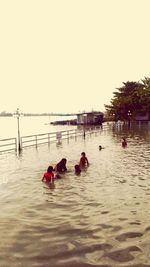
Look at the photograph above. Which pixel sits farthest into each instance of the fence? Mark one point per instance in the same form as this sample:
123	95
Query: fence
37	139
8	144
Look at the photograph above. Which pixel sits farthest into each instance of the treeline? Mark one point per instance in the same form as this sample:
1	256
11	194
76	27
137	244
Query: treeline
130	100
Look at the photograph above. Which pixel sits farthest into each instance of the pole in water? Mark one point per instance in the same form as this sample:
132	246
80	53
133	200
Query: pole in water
18	116
84	122
84	132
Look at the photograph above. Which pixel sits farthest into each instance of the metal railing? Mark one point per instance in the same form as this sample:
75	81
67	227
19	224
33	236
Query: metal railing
37	139
8	144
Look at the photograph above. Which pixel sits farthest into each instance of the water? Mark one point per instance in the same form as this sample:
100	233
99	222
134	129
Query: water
31	125
100	218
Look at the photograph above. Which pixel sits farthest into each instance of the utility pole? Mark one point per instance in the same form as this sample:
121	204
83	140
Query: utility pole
129	118
17	115
84	122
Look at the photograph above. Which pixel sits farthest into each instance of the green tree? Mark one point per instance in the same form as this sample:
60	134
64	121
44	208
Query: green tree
145	95
132	99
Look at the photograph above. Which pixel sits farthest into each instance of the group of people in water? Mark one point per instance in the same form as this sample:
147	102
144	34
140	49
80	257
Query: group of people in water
55	173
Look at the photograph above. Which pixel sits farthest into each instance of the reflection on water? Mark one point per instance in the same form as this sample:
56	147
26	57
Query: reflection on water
100	218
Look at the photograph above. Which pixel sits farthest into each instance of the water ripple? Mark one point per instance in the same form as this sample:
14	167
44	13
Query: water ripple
100	218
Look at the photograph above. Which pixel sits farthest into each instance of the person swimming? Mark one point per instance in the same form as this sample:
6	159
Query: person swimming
77	169
61	166
100	147
48	176
83	160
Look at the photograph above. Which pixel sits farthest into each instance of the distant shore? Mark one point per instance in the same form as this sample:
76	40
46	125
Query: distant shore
38	114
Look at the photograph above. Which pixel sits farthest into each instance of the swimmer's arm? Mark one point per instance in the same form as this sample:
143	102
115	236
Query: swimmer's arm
87	161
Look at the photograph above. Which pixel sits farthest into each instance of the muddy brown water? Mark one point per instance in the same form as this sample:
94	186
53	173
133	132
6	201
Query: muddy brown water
99	218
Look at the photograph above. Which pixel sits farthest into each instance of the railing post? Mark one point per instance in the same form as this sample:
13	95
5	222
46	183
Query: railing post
48	139
16	144
36	140
75	134
84	131
68	136
21	142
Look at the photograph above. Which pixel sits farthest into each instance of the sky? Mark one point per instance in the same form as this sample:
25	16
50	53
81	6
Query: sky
70	55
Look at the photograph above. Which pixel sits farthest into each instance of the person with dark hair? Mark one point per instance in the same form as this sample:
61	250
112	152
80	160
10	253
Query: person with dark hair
77	169
83	160
61	166
48	176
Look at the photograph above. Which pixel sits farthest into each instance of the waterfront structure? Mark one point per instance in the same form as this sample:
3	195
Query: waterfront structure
84	118
90	118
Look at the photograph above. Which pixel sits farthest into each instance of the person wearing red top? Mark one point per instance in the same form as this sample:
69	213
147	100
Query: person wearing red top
83	160
48	176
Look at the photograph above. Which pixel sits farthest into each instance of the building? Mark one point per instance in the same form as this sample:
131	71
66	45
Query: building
90	118
145	117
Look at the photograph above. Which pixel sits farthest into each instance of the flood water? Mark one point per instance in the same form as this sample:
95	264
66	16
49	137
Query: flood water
100	218
31	125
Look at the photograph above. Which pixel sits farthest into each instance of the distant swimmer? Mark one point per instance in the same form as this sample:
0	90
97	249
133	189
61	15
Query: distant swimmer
100	147
124	142
48	176
83	160
77	169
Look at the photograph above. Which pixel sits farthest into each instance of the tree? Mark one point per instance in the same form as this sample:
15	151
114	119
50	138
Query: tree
145	95
132	99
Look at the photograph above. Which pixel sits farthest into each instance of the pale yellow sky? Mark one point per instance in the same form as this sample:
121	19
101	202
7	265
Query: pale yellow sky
70	55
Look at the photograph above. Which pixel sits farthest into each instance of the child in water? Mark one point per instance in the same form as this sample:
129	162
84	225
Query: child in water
48	176
77	169
61	166
83	160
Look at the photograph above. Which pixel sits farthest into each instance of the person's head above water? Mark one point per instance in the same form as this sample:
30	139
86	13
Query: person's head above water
77	169
63	160
50	169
